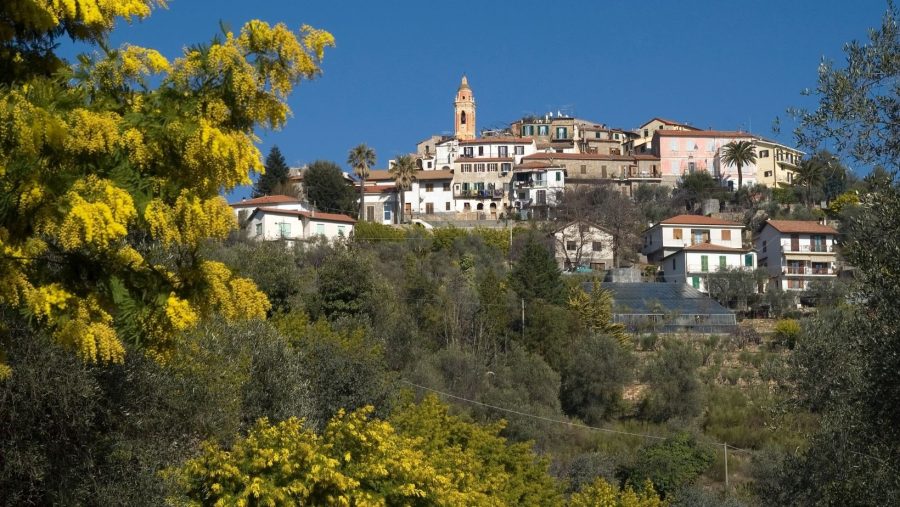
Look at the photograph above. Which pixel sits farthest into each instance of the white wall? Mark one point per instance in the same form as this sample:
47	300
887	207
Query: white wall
689	264
418	197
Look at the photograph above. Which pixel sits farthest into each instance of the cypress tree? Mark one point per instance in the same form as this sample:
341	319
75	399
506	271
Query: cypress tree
275	177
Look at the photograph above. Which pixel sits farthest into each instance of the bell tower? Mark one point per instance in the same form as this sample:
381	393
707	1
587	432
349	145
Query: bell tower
465	111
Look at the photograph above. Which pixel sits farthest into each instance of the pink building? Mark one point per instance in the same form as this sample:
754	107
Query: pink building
686	151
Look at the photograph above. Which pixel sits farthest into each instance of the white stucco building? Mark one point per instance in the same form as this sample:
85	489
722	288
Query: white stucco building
673	234
796	252
271	224
536	187
582	245
244	207
693	264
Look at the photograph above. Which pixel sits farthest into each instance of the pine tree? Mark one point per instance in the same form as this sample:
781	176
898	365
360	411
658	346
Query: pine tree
275	178
536	275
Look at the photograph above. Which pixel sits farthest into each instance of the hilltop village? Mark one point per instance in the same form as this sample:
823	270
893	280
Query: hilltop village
672	202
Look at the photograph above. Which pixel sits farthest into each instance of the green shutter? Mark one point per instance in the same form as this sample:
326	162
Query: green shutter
722	262
704	263
748	260
695	282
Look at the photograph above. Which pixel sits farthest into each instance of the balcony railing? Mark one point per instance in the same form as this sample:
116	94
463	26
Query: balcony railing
698	268
485	193
808	270
814	248
530	184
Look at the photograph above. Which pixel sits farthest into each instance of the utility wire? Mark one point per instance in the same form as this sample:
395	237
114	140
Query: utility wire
560	421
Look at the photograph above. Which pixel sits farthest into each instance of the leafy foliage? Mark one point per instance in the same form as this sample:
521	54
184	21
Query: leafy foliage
603	493
536	275
674	390
100	169
671	464
327	190
739	154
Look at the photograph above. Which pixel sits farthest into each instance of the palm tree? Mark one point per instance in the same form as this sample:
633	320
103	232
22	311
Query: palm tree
810	173
360	159
404	173
739	154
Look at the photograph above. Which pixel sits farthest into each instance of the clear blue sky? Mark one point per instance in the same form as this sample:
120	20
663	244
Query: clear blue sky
391	79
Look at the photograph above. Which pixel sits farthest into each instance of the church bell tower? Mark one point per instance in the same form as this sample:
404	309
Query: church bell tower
465	111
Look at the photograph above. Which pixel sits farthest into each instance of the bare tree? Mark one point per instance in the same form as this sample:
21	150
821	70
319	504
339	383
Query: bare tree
609	209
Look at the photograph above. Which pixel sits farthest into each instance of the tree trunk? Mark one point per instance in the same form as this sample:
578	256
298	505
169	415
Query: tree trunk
362	198
400	191
740	176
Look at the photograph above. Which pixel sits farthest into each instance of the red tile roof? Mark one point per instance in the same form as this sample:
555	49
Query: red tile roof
709	247
498	140
266	199
434	175
801	226
701	133
671	122
315	215
578	156
531	165
379	174
645	156
378	189
698	220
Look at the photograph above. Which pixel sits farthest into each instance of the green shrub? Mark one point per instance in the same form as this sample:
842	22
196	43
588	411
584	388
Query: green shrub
670	464
649	341
786	332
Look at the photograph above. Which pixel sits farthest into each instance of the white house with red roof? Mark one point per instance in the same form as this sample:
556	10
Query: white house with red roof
797	252
678	232
271	224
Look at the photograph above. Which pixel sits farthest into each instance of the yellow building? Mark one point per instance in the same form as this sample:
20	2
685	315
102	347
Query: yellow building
465	111
775	163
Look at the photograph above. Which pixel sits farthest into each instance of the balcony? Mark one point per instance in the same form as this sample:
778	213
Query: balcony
530	184
807	270
786	247
479	193
698	268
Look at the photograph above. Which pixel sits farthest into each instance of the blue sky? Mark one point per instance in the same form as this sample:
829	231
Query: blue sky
391	79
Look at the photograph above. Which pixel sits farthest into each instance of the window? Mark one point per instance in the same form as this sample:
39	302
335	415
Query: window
466	168
704	263
320	229
259	229
558	175
505	167
691	167
502	151
341	231
603	171
562	133
570	245
479	168
447	206
480	151
763	153
726	235
646	133
723	262
748	260
768	174
616	136
429	187
583	169
446	186
462	117
387	213
676	233
764	246
543	130
597	246
520	150
429	164
673	263
673	144
284	229
370	213
429	208
695	282
492	167
468	152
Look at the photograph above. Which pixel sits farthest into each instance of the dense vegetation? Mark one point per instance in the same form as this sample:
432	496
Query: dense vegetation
151	357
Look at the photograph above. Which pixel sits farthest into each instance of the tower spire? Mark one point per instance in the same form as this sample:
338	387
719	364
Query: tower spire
465	111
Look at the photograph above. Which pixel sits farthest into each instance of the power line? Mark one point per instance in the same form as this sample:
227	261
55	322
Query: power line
560	421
